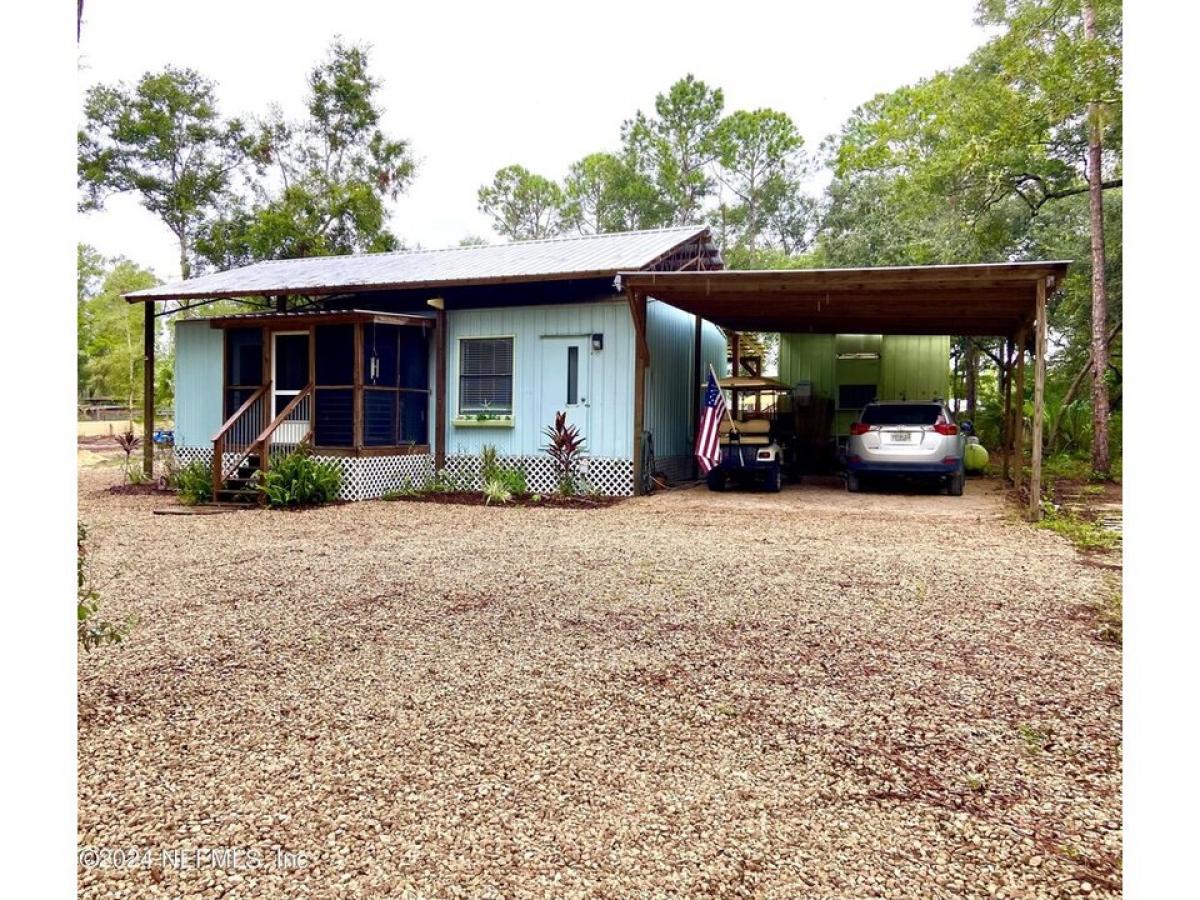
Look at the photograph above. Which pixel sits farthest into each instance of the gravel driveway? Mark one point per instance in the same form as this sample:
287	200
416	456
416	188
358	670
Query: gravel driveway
803	694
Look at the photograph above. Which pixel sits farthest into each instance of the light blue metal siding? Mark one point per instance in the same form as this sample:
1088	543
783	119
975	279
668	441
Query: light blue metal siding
670	335
714	350
199	356
610	418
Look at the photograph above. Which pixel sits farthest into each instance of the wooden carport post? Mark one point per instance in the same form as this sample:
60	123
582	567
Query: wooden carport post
697	374
148	389
1039	402
641	357
1006	417
1018	409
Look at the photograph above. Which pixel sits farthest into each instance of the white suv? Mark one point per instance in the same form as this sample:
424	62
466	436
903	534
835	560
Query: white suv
908	438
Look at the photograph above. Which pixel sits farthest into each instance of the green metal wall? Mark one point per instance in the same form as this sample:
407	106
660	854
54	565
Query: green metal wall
908	368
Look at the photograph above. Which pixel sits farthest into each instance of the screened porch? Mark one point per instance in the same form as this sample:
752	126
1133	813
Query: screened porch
345	383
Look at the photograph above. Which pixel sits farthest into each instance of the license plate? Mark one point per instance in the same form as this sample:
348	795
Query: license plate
901	437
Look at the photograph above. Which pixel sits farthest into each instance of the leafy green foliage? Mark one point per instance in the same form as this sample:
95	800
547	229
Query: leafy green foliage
565	447
676	146
318	186
92	630
300	480
194	483
162	139
496	491
110	329
523	205
605	192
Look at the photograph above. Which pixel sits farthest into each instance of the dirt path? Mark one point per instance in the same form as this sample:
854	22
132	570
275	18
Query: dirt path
806	694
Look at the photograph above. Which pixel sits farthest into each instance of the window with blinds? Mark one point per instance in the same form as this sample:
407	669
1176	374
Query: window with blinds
485	376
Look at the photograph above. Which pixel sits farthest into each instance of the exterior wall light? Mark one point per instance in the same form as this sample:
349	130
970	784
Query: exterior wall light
597	341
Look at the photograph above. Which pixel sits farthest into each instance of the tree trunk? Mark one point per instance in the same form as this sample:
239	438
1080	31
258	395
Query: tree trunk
1069	397
1100	454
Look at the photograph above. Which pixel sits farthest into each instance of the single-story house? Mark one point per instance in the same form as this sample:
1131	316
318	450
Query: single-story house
394	365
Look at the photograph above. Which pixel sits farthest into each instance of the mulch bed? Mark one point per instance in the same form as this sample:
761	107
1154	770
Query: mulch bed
135	489
475	498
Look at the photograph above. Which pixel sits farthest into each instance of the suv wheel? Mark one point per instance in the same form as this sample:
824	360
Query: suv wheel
954	484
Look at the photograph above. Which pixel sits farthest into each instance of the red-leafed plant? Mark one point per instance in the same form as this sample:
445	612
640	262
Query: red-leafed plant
565	448
128	441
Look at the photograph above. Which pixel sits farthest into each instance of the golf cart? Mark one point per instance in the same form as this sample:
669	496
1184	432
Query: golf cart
754	435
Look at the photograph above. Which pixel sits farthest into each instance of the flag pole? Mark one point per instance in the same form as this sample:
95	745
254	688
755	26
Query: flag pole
728	415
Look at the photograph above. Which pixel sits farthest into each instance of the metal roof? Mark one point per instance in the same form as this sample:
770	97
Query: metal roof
542	260
993	299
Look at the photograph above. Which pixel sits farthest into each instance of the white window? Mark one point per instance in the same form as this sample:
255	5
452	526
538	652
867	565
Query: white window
485	376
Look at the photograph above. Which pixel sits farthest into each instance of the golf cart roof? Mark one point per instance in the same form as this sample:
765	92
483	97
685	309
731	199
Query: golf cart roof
752	383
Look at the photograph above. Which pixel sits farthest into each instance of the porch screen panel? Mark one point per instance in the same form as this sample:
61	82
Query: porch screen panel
395	396
243	366
333	417
333	406
485	376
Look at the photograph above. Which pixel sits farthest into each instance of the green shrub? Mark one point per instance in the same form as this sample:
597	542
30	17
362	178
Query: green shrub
194	483
300	480
1079	531
512	479
496	491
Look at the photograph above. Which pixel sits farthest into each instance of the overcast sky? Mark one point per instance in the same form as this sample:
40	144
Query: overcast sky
477	88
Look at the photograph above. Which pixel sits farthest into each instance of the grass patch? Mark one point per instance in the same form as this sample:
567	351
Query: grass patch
1111	616
1083	534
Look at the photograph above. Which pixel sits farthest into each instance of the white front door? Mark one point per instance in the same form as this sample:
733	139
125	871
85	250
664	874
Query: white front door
565	381
289	376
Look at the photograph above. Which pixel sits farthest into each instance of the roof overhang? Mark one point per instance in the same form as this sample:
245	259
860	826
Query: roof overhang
990	299
320	316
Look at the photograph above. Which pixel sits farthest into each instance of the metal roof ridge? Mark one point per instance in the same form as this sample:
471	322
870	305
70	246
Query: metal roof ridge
688	229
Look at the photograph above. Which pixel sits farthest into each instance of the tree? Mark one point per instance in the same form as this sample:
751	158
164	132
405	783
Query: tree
675	148
113	348
523	206
1029	124
88	272
760	155
163	140
605	192
318	186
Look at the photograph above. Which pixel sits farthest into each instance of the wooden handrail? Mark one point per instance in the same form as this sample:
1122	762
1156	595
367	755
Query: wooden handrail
241	409
283	414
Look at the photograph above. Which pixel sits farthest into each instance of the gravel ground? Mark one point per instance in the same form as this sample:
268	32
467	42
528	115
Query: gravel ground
804	694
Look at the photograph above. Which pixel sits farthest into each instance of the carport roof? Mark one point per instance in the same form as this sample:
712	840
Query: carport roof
982	299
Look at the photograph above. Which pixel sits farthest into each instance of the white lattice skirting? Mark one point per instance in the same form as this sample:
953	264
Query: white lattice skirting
369	477
604	475
363	477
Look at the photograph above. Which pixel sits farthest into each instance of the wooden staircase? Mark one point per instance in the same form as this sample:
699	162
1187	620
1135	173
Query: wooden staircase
244	446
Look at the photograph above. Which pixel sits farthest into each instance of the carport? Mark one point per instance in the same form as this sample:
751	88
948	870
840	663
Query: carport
999	300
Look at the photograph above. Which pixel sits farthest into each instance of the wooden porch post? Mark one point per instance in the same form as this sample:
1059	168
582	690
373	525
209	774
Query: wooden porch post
697	375
641	354
1018	410
358	387
737	354
442	341
1006	418
1039	404
148	390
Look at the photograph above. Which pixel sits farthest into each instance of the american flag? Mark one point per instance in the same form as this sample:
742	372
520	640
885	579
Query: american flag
708	446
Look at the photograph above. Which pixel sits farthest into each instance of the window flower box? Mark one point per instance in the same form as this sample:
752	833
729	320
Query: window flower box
482	421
